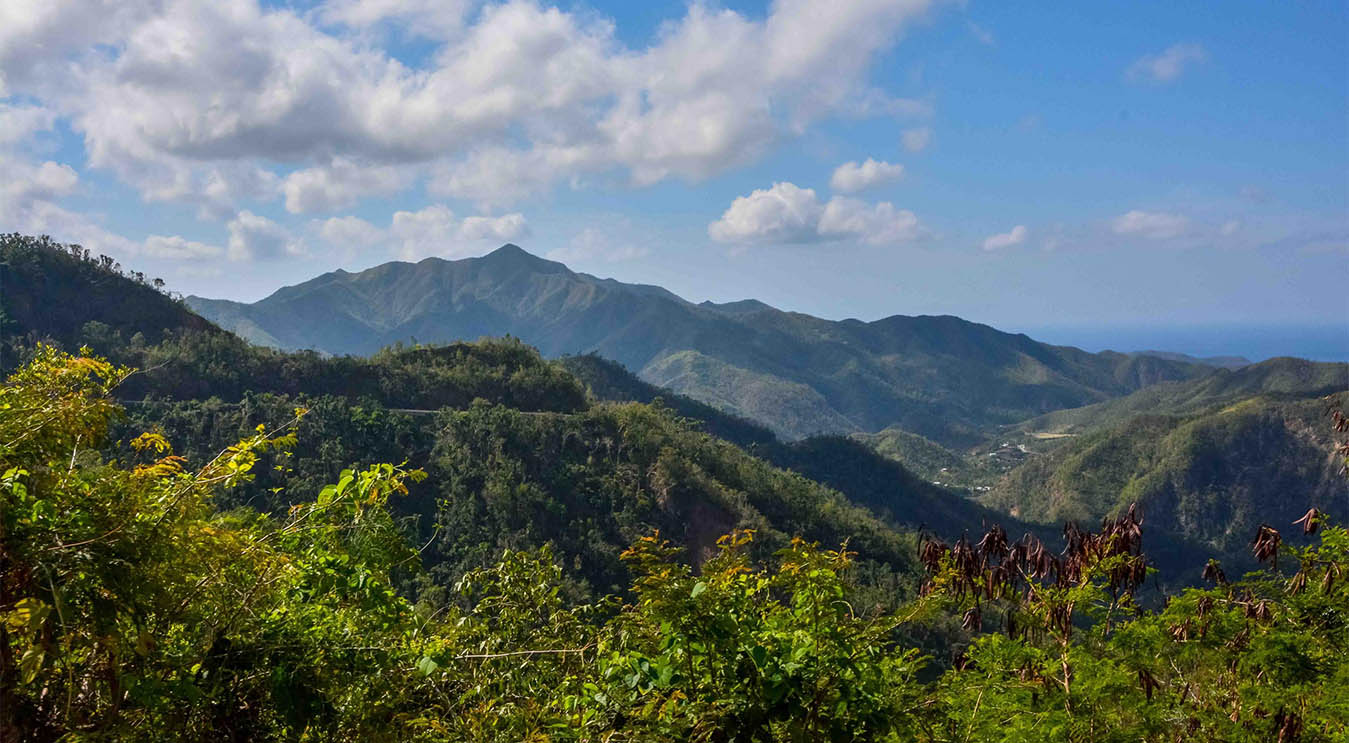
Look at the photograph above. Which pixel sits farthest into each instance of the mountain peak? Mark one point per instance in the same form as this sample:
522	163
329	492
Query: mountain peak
511	255
510	249
740	307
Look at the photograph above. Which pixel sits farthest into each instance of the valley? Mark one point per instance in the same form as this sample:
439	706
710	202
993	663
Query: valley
577	478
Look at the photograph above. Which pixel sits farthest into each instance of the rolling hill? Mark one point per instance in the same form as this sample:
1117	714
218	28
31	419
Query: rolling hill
1212	477
1287	377
942	377
49	290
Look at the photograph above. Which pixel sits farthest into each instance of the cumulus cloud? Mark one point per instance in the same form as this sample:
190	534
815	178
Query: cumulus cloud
1015	236
593	245
338	185
505	227
19	122
431	231
851	177
435	19
254	237
31	192
874	224
787	213
350	232
221	103
1167	65
1151	225
916	139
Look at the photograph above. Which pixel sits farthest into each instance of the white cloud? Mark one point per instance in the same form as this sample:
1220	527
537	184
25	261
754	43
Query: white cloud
339	185
787	213
505	227
851	177
214	103
1152	225
1016	236
435	19
46	181
28	203
19	122
431	231
592	245
351	232
874	224
917	139
178	248
496	176
1230	227
28	193
1168	65
254	237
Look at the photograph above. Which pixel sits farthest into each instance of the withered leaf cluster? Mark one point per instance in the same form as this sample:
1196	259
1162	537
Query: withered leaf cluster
996	568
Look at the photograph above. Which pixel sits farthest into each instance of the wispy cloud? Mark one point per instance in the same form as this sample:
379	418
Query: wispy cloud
1151	225
1015	236
1166	65
916	139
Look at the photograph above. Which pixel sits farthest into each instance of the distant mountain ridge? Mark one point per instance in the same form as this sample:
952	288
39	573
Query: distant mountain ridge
940	376
1221	362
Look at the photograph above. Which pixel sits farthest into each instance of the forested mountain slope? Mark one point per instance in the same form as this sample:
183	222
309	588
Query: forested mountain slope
134	609
865	476
227	558
49	290
519	456
1287	377
942	377
1212	477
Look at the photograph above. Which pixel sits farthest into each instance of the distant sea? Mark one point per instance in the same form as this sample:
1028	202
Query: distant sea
1322	343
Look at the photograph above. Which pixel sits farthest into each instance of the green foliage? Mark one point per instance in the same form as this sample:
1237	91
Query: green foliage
51	291
202	365
265	582
926	458
736	653
131	609
1211	478
593	482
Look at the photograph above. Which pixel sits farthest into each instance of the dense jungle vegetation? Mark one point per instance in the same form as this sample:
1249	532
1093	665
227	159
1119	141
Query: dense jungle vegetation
201	539
136	608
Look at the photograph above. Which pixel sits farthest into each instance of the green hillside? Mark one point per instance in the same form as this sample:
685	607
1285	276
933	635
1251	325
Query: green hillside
49	290
472	542
520	456
136	609
1279	376
1212	477
926	458
942	377
865	476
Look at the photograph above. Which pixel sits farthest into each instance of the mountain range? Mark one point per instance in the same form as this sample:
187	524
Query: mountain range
940	376
1209	455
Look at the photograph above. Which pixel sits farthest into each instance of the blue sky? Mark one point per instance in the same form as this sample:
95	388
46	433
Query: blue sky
1033	166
